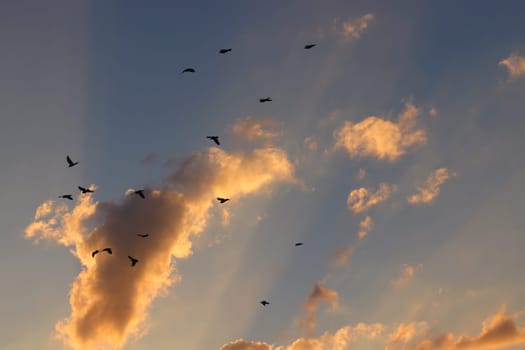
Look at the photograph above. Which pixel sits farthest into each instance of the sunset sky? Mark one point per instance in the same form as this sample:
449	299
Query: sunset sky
393	150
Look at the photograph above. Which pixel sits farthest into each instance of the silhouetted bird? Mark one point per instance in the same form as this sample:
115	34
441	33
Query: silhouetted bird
85	190
267	99
264	303
214	139
70	162
66	196
309	46
222	200
298	244
133	260
143	236
140	193
188	70
95	252
225	50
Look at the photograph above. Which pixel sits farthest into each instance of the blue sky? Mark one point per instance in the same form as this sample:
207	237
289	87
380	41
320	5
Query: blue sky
100	81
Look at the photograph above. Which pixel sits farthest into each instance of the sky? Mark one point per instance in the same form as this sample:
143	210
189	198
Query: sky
391	150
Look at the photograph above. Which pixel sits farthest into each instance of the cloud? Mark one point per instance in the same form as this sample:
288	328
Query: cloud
515	64
406	275
339	340
365	227
361	174
109	299
341	256
433	112
362	199
380	138
353	28
311	143
252	130
498	332
431	188
318	294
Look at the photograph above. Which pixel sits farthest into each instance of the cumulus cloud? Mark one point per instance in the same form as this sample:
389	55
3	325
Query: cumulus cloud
318	294
380	138
515	65
498	332
431	188
340	340
341	256
362	199
406	274
353	28
261	129
109	299
365	227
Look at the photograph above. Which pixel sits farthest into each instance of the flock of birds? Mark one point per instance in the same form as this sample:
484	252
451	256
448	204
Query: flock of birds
141	192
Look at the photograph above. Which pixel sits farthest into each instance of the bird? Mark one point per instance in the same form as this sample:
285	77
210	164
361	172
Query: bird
85	190
264	303
140	193
309	46
267	99
70	162
95	252
188	70
66	196
222	200
133	260
298	244
225	50
143	236
214	139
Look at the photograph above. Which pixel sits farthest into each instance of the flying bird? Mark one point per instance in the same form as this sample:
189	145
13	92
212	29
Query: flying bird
188	70
225	50
95	252
267	99
133	260
143	236
214	139
85	190
298	244
70	162
66	196
264	303
108	250
309	46
140	193
222	200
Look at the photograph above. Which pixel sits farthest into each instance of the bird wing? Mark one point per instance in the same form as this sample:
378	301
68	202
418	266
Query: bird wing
216	140
94	253
81	188
69	160
141	194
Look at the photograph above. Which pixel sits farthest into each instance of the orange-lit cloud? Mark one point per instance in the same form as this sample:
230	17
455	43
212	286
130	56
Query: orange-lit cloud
498	332
365	227
318	294
362	199
261	129
341	256
515	64
380	138
311	143
406	274
353	28
431	188
109	298
340	340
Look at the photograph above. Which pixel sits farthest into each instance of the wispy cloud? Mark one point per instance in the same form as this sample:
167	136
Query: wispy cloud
109	298
432	186
341	256
500	331
361	174
261	129
380	138
515	65
406	275
365	227
355	27
362	199
318	294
